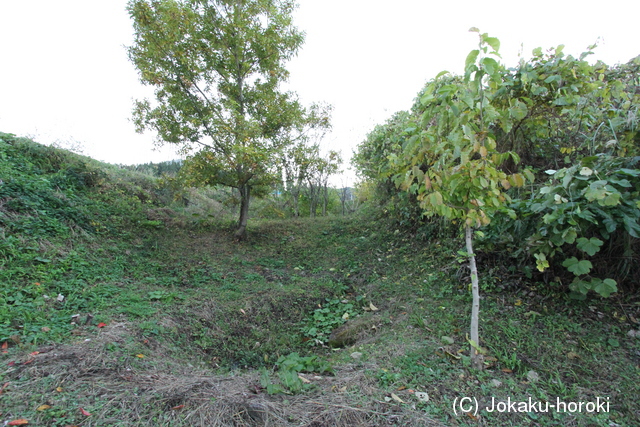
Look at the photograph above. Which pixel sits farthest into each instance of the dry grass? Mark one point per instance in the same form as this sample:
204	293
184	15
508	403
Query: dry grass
135	392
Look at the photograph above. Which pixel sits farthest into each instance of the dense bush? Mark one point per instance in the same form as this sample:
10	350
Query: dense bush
568	126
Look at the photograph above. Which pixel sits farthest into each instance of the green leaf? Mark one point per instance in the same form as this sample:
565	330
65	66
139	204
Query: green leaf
570	235
519	111
435	198
471	59
580	286
577	267
631	225
590	246
493	42
606	287
490	65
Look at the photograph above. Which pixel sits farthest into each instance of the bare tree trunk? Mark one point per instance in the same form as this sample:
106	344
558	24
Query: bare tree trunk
313	199
325	200
245	194
295	195
343	199
477	359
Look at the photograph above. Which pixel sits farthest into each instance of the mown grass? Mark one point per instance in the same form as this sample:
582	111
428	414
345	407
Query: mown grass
175	319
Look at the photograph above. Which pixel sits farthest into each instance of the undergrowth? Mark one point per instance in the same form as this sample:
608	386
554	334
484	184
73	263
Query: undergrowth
111	293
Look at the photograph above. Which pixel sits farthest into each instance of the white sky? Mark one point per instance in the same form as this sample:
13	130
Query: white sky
65	77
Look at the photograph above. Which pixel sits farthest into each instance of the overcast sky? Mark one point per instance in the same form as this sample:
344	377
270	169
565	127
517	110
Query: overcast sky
65	77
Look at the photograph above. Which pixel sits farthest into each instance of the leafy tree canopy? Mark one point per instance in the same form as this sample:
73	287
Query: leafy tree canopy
216	67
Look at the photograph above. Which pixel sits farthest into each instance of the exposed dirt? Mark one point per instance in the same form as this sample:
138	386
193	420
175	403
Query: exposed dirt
134	392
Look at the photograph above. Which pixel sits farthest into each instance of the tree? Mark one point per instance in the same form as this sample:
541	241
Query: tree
453	164
216	67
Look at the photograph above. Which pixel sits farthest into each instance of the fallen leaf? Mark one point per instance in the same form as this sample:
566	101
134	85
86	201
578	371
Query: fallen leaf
303	379
3	387
507	371
85	413
396	398
373	307
45	329
34	353
401	388
101	325
141	356
59	389
20	422
572	355
453	356
175	408
5	345
518	302
243	312
473	417
43	408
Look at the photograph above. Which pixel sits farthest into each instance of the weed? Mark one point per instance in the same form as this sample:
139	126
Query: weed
318	327
288	373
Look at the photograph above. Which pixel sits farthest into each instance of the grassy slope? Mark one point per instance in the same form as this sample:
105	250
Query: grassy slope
191	316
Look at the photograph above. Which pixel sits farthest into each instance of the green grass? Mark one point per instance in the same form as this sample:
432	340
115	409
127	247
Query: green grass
177	313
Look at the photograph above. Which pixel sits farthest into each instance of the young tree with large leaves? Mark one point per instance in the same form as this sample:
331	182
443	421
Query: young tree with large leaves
452	162
216	67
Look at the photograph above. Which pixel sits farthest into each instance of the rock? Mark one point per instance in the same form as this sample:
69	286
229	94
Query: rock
356	355
347	334
446	340
633	334
533	376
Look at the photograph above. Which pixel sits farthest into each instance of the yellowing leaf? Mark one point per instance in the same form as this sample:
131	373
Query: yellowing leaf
518	302
373	307
43	408
585	171
59	389
427	182
141	356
